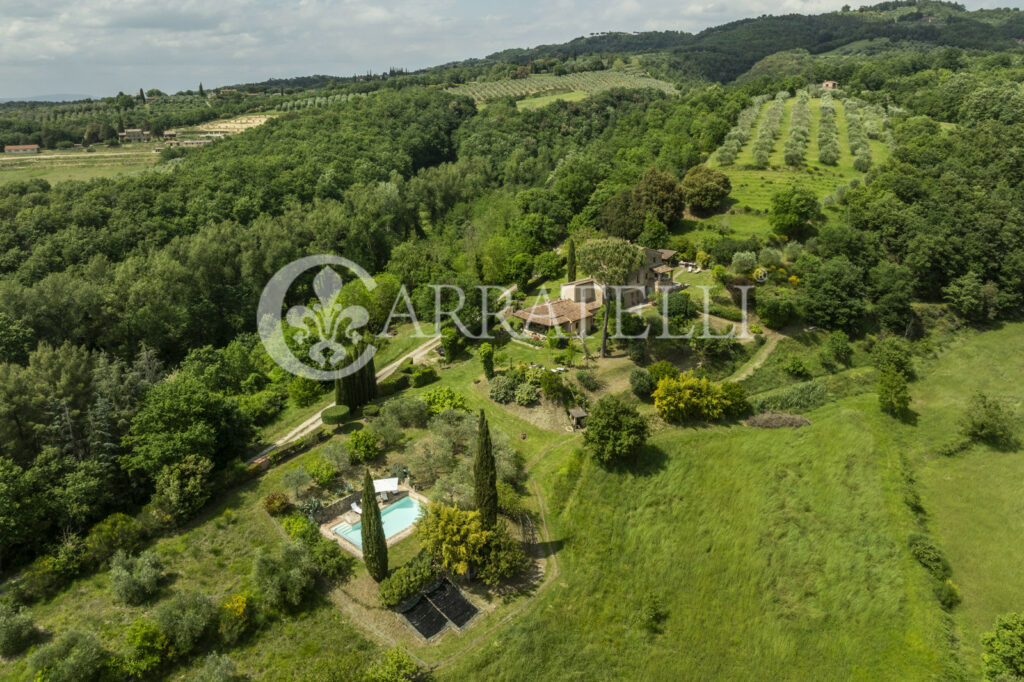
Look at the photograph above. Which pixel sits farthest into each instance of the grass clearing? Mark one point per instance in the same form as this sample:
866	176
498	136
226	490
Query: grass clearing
586	82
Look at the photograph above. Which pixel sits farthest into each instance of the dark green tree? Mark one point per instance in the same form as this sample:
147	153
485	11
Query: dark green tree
485	476
893	396
615	430
610	262
794	212
375	546
487	359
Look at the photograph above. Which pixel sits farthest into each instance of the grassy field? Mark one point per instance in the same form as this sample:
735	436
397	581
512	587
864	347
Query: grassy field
565	87
544	100
973	499
55	166
752	188
764	551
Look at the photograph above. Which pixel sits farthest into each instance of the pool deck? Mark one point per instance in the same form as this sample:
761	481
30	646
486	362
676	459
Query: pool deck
350	517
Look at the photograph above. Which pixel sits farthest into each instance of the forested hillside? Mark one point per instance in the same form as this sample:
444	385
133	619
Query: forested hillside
872	222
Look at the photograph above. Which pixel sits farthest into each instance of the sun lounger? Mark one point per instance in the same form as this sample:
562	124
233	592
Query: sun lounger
383	497
356	508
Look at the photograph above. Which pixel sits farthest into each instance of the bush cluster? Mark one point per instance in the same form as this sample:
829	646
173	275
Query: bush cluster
134	580
407	580
803	396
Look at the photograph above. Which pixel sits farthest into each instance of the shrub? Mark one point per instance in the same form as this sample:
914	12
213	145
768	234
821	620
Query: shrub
276	504
16	630
486	354
652	614
893	395
147	649
233	619
502	390
117	531
838	347
217	668
410	412
329	560
894	352
526	394
185	618
261	407
587	380
735	397
662	370
304	392
947	594
73	657
407	580
336	414
689	397
615	430
371	410
283	579
394	666
641	382
422	376
551	386
795	367
637	351
300	529
392	385
184	487
310	506
929	556
502	557
388	430
134	580
322	472
986	420
363	446
1003	656
444	398
744	262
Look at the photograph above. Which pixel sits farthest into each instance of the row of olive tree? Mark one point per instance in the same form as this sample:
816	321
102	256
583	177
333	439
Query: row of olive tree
769	130
828	133
740	133
858	136
799	130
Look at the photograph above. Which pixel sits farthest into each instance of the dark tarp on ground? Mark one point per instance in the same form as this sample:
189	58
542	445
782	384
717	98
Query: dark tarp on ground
449	601
425	618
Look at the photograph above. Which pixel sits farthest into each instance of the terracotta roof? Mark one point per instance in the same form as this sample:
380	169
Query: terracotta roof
667	253
585	280
557	312
663	268
20	146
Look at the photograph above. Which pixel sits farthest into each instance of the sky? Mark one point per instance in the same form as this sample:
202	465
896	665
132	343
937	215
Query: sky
98	47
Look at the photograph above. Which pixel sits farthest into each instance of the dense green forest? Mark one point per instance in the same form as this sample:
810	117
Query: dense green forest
129	366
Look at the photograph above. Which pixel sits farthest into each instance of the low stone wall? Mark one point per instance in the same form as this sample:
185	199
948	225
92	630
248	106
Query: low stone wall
336	509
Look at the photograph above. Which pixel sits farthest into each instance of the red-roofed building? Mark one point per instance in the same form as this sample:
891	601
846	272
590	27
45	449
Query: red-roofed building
21	149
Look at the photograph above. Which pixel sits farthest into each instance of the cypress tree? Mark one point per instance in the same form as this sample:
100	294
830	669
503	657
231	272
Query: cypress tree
375	546
570	261
485	476
339	392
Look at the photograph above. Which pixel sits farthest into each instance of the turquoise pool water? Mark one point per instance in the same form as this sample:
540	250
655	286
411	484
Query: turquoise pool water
395	518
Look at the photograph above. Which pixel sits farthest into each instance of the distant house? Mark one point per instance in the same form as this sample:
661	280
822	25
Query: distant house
21	149
133	135
170	134
572	317
830	85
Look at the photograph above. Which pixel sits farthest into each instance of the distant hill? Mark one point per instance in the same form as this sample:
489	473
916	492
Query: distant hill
64	97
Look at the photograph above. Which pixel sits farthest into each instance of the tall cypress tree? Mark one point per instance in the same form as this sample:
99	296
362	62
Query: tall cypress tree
570	261
485	476
375	545
339	392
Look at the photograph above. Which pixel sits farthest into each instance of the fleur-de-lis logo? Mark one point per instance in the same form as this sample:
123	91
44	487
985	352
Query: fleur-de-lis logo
324	319
327	323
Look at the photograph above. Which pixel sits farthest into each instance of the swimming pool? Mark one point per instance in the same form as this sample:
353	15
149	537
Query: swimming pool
395	518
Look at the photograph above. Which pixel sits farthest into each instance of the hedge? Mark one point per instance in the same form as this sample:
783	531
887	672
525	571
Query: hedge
335	415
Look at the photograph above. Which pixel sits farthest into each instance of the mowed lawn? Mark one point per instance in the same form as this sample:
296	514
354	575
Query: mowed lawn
772	555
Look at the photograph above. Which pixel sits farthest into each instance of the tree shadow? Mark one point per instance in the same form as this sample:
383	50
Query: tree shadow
908	417
648	461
